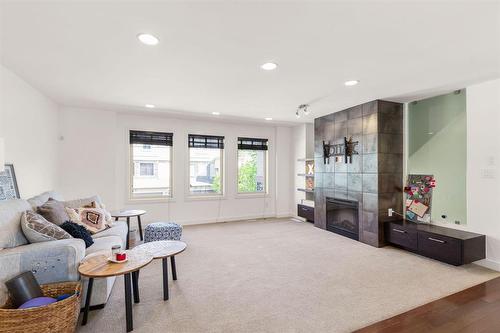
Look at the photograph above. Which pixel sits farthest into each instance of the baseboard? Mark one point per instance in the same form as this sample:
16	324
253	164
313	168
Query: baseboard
488	263
228	219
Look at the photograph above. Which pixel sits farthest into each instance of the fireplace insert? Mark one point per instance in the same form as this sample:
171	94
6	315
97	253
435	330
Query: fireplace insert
342	217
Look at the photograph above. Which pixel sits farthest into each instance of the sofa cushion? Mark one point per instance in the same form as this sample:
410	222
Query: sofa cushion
78	203
37	229
11	234
103	244
43	198
53	211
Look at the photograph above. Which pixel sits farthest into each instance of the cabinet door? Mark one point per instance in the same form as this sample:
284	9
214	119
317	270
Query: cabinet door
405	237
440	247
306	212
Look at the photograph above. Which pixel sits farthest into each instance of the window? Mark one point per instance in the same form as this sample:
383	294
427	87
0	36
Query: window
150	165
252	165
205	164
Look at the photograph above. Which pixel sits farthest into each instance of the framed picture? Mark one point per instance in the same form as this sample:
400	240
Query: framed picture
8	184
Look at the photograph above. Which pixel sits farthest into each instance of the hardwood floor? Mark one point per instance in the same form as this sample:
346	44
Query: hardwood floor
476	309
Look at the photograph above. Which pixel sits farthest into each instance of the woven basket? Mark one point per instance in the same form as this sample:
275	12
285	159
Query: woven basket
58	317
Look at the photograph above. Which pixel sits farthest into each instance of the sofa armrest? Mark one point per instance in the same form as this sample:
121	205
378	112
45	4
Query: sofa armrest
51	261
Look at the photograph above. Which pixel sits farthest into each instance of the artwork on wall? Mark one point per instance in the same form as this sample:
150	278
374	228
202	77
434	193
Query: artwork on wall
346	150
418	202
8	184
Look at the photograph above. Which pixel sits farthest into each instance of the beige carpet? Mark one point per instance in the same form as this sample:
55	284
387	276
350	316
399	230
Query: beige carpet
281	276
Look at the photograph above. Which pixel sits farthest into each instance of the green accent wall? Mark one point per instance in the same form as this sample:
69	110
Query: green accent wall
437	145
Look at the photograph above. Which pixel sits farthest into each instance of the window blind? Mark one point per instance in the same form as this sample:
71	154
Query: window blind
252	144
206	141
151	138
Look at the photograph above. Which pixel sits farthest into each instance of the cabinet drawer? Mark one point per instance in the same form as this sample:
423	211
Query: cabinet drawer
405	237
440	247
306	212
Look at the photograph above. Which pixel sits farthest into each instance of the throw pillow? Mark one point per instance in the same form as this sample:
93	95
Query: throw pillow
93	219
78	231
74	215
53	211
37	229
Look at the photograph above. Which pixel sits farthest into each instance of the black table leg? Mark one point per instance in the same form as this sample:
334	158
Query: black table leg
135	286
140	226
87	301
128	303
174	270
128	233
165	278
116	218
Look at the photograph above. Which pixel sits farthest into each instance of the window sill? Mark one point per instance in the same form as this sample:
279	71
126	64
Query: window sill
251	195
204	197
135	201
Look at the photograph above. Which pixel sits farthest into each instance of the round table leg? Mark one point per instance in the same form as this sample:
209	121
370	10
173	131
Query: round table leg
135	286
87	301
174	270
128	303
128	233
165	278
140	226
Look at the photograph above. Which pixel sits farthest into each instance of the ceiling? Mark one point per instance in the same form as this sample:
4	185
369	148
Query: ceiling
208	60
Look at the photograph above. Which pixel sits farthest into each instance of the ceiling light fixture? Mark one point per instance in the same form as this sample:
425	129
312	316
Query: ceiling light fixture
148	39
303	108
150	106
268	118
269	66
351	83
215	113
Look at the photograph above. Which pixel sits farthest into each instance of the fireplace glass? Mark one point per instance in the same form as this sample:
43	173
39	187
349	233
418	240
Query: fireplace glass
342	217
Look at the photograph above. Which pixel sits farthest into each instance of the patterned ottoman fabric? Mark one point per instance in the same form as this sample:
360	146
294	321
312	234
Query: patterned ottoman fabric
162	231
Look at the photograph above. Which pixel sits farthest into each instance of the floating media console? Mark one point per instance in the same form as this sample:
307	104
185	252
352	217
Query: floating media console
452	246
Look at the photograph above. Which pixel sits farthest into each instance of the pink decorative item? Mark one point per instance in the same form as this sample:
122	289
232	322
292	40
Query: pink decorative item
37	301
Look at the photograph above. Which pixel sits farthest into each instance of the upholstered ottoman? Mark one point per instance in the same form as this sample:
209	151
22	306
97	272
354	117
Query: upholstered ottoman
162	231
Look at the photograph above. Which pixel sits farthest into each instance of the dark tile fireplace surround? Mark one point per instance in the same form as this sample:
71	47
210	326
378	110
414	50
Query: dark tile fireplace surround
352	199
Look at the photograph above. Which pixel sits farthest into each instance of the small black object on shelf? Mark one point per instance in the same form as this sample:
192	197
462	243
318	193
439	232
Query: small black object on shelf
23	287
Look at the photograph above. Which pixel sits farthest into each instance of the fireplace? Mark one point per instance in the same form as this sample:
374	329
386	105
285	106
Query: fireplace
342	217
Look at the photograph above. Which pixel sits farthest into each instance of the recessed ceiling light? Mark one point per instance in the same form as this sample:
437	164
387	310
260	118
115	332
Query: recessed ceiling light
351	83
150	106
268	118
269	66
215	113
148	39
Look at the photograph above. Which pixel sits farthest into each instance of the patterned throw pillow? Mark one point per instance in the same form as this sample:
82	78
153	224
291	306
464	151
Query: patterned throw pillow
94	219
37	229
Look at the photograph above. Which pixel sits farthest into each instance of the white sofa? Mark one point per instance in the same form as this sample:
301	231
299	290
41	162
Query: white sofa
51	261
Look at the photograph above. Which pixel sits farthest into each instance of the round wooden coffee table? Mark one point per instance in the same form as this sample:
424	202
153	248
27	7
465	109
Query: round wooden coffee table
128	214
163	250
98	266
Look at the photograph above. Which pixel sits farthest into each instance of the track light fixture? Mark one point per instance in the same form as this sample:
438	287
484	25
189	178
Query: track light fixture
303	108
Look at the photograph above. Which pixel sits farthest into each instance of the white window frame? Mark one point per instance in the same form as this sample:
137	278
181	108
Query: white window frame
152	198
266	176
207	195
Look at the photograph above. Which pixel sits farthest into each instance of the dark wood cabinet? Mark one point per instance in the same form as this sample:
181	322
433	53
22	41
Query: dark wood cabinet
456	247
306	212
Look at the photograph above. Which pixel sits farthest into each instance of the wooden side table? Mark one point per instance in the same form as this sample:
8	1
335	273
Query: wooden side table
128	214
163	250
99	267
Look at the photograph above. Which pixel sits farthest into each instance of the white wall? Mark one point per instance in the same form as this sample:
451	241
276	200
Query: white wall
483	162
95	152
29	125
303	147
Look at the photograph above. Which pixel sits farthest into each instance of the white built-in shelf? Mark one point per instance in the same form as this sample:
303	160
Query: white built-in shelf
305	159
305	175
305	190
